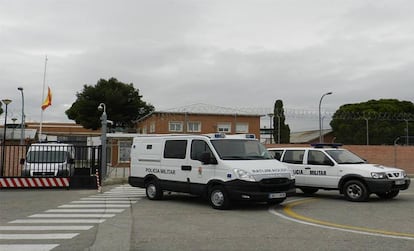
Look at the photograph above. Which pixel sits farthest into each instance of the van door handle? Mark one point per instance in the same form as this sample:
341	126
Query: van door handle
186	168
307	168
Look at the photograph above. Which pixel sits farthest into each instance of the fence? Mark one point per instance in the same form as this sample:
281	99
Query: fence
36	162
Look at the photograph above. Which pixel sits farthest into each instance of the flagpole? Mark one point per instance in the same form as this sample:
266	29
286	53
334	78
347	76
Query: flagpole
43	97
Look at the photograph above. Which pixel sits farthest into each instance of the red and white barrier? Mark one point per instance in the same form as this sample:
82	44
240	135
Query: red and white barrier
19	182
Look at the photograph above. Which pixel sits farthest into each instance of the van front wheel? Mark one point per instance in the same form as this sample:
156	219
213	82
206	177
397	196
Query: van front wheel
219	198
153	190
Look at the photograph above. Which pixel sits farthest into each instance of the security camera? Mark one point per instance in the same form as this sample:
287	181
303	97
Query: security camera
101	107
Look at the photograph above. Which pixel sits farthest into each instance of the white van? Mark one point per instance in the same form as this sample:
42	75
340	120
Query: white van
224	168
49	160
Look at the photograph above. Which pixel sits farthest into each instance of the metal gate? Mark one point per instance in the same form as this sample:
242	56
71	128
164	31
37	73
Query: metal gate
50	165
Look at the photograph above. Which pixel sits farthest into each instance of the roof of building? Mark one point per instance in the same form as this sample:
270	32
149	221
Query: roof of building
201	108
205	109
307	136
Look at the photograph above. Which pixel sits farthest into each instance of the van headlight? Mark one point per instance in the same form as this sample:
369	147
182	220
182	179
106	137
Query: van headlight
243	175
379	175
404	174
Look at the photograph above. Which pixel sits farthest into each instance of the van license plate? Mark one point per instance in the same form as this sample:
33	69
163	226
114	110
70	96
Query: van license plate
399	182
277	195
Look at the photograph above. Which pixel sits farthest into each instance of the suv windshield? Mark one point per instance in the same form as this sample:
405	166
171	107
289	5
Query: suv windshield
345	157
235	149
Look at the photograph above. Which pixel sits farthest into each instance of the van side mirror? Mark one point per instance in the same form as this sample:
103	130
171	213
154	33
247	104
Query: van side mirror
206	158
22	160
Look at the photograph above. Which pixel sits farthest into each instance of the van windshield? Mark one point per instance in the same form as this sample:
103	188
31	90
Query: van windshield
46	156
235	149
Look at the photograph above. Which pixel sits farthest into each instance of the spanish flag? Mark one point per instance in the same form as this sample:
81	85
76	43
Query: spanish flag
48	100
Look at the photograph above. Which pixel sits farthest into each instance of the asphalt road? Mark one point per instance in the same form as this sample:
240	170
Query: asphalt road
128	221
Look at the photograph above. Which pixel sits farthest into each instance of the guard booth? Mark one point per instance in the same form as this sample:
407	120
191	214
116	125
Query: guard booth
50	165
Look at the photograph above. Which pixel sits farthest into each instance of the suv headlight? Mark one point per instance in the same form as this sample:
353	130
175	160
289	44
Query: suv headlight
404	174
243	175
379	175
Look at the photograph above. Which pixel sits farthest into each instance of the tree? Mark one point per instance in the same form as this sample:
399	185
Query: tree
279	124
123	103
382	120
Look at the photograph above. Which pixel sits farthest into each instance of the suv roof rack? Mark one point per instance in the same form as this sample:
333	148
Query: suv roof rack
322	145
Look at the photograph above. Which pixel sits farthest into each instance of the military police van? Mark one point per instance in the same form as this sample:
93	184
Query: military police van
223	168
49	160
329	167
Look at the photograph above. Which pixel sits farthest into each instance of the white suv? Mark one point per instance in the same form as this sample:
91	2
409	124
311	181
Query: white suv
325	166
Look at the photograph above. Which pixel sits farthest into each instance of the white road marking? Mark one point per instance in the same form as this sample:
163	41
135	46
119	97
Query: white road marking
96	210
27	247
71	216
103	201
62	221
92	206
44	228
49	236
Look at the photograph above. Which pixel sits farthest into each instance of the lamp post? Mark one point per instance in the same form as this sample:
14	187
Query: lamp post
320	120
102	107
22	136
270	126
6	102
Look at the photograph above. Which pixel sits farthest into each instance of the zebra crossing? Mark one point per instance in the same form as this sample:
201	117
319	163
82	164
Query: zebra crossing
71	219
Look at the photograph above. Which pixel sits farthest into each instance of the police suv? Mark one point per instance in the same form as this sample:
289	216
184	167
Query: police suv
328	167
223	168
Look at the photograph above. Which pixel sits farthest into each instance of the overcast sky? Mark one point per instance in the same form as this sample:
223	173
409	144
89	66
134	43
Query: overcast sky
219	52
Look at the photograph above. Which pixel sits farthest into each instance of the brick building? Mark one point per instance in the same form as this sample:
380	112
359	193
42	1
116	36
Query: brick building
200	119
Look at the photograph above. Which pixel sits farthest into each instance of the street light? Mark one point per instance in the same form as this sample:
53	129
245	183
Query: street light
23	118
320	120
270	126
6	102
102	107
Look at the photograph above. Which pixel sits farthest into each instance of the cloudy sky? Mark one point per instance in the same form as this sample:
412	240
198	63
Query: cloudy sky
228	53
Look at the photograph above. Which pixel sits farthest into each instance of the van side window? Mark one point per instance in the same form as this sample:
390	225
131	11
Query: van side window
198	147
318	158
293	156
175	149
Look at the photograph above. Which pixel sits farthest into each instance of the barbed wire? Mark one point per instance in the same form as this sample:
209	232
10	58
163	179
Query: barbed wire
295	113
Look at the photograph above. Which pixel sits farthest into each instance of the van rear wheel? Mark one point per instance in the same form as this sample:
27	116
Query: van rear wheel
153	190
219	198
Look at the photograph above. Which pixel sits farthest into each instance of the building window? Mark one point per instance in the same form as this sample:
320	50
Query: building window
224	127
124	151
175	126
242	128
152	127
194	126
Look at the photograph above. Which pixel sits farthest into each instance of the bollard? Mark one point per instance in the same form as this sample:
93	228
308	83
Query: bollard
97	181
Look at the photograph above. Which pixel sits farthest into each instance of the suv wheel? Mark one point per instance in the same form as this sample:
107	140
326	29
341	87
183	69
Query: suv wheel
153	190
389	194
355	190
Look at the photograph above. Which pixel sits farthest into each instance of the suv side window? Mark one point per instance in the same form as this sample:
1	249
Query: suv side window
293	156
276	154
318	158
175	149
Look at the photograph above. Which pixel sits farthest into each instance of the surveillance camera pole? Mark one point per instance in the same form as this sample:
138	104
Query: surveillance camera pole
103	140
